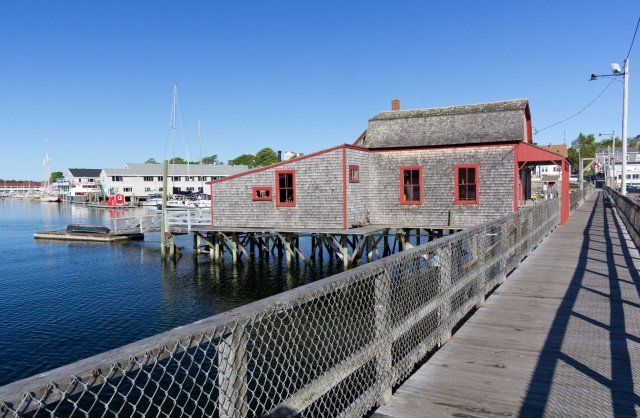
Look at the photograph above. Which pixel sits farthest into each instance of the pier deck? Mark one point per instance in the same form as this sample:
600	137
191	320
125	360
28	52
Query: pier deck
559	338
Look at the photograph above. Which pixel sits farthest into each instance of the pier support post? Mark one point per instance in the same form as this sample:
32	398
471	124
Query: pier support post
234	248
172	247
345	252
232	374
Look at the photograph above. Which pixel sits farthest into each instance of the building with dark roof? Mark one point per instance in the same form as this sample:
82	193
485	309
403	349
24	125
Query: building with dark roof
451	166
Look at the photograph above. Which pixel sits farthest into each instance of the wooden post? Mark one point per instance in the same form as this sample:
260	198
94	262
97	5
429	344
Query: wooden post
417	236
234	248
232	374
163	220
287	247
369	248
384	369
345	252
443	263
172	247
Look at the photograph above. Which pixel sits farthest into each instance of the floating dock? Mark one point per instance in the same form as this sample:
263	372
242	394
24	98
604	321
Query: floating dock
63	235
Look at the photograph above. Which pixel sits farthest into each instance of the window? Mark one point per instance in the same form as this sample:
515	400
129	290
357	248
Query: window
176	178
147	189
147	178
411	185
190	189
159	178
127	189
466	179
285	188
354	174
261	194
116	178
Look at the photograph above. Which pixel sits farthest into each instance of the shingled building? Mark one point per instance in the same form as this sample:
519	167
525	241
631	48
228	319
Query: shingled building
409	169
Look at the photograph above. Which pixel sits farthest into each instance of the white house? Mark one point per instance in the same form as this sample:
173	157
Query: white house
546	177
633	164
82	182
141	180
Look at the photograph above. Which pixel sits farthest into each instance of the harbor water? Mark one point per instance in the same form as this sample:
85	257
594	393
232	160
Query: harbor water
64	301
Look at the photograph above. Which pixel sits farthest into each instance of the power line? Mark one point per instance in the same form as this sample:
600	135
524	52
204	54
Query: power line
579	111
634	38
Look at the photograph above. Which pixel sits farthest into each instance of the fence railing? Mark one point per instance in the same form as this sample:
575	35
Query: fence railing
333	347
576	197
629	211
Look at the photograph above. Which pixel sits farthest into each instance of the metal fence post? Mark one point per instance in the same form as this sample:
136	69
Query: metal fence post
382	310
232	374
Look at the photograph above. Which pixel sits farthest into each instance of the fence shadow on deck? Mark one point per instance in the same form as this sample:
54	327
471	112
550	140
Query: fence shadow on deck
620	385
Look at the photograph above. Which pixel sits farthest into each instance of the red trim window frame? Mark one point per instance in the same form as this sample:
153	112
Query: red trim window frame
265	191
411	185
461	191
289	189
354	173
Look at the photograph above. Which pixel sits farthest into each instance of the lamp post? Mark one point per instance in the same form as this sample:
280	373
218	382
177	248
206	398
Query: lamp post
617	72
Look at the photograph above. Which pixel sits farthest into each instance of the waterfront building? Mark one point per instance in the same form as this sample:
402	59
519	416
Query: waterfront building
289	155
459	165
546	177
633	164
141	180
14	187
83	182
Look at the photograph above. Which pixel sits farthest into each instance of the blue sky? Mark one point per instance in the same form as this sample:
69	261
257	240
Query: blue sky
95	78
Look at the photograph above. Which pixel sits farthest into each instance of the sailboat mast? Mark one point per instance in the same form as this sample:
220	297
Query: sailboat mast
172	128
199	140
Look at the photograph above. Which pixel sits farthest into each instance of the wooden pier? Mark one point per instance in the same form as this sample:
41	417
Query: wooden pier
350	246
559	338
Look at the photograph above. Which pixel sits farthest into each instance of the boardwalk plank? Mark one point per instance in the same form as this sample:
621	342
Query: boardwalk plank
559	338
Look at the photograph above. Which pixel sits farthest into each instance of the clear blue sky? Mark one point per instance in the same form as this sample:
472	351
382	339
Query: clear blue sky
95	77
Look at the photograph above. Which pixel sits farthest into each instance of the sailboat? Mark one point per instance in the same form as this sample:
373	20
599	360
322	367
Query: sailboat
47	194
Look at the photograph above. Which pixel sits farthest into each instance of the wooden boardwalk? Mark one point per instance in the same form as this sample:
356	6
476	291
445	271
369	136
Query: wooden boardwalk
561	337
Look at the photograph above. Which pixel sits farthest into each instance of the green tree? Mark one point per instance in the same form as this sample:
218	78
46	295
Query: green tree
177	160
266	156
212	159
55	176
244	159
151	161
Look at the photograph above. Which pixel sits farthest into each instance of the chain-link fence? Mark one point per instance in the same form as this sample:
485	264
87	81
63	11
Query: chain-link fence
629	210
333	347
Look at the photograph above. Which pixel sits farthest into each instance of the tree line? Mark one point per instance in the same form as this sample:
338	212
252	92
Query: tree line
265	156
588	144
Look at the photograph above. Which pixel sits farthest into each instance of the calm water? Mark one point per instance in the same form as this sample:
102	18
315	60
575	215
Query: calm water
63	301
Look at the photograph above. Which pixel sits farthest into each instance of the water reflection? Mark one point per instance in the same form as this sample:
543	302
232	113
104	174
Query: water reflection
63	301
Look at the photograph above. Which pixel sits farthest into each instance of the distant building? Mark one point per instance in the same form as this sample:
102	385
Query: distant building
82	182
633	164
459	165
20	186
546	177
140	180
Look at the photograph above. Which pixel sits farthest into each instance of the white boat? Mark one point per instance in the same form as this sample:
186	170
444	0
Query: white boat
48	194
49	198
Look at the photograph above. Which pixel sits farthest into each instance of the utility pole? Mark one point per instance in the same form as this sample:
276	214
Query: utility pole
580	165
625	95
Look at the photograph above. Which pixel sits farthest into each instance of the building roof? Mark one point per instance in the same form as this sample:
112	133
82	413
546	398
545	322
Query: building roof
454	125
561	149
85	172
137	169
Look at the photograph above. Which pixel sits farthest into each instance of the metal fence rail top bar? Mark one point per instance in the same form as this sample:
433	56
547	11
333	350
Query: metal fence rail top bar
241	337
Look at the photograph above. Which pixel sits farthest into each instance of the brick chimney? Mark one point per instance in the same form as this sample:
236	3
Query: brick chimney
395	104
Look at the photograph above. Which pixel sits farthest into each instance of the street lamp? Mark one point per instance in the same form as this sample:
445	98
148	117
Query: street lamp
617	72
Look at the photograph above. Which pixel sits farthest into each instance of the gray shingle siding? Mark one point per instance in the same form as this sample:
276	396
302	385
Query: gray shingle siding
376	198
318	191
495	191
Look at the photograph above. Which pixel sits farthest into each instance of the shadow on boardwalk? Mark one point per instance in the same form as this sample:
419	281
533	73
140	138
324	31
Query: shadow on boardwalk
603	228
561	336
